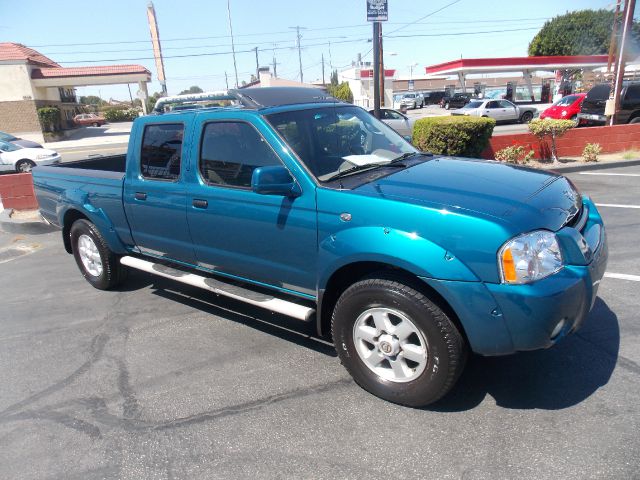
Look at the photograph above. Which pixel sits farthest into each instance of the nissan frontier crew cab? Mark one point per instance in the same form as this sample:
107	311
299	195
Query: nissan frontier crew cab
292	201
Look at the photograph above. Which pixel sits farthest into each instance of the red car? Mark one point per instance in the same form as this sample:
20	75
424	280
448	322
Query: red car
89	119
567	108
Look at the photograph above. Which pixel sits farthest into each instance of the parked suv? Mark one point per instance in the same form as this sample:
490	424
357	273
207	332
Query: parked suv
457	100
592	110
412	100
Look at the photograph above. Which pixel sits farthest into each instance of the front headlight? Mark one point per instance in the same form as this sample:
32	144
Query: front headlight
529	257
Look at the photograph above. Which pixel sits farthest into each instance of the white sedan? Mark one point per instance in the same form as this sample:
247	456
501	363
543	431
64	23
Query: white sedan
499	110
19	159
396	120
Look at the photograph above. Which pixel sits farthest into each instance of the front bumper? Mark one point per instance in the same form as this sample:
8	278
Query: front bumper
592	119
500	319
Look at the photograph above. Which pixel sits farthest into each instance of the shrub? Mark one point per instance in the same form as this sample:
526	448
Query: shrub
591	152
115	114
462	136
550	128
341	92
49	118
514	154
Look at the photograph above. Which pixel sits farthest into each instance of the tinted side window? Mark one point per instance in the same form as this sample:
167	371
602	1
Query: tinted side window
506	104
231	151
493	104
599	92
161	151
633	92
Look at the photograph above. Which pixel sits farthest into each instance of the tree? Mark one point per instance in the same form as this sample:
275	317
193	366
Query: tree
92	100
552	129
341	92
334	78
152	99
583	32
193	89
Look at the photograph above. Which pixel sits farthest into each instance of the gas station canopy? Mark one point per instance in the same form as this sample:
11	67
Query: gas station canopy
466	66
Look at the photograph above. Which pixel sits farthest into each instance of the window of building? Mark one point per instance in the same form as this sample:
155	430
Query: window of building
231	151
161	151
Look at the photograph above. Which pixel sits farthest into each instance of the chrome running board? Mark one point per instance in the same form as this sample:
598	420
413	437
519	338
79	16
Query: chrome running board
285	307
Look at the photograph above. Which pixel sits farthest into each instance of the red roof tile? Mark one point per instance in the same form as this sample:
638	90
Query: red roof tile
61	72
17	51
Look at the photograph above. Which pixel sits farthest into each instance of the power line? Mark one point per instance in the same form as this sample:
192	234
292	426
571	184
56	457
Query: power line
323	44
426	16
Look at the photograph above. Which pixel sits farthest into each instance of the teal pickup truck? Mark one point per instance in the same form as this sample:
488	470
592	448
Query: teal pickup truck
289	200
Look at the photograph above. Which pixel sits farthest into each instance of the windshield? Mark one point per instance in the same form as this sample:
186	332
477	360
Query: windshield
566	101
473	105
410	95
330	140
7	137
8	147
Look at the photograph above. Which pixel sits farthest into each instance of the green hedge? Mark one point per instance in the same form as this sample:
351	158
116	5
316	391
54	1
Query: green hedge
455	135
115	114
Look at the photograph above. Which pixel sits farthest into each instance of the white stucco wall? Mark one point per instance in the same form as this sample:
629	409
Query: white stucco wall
15	82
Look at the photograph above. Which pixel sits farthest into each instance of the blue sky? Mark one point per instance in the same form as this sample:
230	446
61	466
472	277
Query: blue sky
336	28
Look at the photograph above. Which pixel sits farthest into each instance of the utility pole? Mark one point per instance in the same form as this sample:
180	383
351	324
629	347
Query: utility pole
382	76
233	47
323	69
613	43
376	69
257	65
226	80
298	37
629	8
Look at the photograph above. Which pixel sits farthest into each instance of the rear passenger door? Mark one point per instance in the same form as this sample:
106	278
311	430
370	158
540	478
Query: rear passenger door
155	194
269	239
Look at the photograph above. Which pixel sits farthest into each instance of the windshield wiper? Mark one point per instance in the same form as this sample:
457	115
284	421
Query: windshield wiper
404	156
360	168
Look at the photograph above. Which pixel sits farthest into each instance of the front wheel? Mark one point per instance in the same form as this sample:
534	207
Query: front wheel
396	343
24	166
98	264
95	124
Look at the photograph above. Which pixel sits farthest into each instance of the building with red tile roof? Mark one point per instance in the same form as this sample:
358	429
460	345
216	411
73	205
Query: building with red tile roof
30	80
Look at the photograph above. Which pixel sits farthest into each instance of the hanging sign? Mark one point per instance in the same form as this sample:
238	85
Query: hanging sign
377	11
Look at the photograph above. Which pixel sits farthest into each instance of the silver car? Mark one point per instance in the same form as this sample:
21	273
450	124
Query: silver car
499	110
396	120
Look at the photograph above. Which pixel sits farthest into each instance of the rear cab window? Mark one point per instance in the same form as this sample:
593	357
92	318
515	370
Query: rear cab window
161	151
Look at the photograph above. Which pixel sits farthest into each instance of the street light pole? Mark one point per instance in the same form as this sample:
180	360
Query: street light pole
233	47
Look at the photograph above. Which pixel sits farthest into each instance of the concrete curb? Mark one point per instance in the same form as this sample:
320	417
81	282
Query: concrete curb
30	227
594	166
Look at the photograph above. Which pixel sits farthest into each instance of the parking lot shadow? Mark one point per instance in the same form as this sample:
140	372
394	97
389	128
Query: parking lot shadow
552	379
295	331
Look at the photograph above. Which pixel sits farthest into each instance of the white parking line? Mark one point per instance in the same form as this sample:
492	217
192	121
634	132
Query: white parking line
623	276
612	174
615	205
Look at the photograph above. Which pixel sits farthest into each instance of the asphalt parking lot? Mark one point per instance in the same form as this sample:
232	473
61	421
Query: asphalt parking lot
160	380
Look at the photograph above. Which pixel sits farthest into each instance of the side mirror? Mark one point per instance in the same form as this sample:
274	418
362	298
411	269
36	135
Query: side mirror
274	180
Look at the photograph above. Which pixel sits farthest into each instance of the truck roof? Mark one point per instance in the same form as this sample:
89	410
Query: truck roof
255	98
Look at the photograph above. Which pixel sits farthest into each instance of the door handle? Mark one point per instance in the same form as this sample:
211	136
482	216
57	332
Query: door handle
200	203
140	196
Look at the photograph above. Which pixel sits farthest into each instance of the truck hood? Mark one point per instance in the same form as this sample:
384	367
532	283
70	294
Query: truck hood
523	198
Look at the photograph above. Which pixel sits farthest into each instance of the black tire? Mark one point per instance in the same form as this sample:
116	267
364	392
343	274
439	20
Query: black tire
445	346
635	120
526	117
447	106
24	166
113	272
95	124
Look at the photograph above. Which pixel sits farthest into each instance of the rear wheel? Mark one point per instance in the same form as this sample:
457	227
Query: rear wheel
95	124
24	166
635	120
396	343
98	264
526	117
447	106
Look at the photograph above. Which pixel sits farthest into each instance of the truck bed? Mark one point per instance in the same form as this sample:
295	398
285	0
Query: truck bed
111	163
